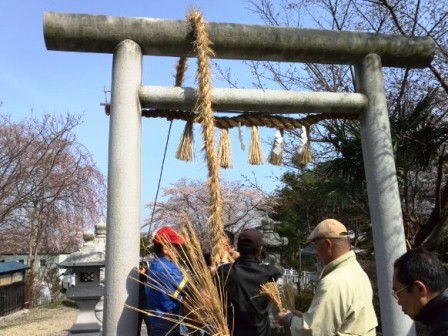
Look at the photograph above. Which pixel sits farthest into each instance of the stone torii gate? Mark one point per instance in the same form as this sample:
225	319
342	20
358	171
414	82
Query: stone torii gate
128	39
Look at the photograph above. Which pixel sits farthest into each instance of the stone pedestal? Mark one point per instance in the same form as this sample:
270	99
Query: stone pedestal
87	322
86	293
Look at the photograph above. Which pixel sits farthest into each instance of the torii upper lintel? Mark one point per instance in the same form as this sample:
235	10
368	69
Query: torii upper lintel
101	34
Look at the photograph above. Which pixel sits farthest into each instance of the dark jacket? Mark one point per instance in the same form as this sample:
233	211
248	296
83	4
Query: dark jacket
435	315
247	310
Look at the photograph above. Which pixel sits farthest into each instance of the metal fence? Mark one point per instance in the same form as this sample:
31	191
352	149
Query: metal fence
301	280
12	298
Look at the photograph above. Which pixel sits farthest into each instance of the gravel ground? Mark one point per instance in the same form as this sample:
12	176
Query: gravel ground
52	320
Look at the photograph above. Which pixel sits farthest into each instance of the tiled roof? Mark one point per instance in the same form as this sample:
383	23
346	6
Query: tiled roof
12	266
17	244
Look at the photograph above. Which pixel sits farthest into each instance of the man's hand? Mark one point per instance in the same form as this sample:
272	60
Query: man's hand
297	313
285	318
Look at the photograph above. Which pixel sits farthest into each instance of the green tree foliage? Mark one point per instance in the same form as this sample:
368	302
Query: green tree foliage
307	197
418	108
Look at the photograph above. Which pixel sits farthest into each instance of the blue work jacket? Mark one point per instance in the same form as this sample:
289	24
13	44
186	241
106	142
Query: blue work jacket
164	294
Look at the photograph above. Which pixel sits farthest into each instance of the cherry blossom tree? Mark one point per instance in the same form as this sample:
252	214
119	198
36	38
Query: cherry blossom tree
242	207
50	188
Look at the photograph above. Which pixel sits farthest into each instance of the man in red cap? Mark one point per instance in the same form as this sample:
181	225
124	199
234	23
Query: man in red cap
342	303
166	285
247	310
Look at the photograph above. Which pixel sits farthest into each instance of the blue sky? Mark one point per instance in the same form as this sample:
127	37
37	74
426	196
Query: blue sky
36	81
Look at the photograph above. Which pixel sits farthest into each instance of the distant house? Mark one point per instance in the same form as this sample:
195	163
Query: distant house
46	259
44	262
12	287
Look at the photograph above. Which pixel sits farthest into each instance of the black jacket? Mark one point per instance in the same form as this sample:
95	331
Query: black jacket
435	315
247	310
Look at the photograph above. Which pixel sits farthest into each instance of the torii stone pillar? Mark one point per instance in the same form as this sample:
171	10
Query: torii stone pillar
382	188
123	191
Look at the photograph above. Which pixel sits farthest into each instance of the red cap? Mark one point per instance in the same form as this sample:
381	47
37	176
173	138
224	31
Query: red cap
168	235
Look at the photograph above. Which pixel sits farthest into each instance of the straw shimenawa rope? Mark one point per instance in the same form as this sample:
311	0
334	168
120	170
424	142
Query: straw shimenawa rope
250	119
204	106
256	119
181	68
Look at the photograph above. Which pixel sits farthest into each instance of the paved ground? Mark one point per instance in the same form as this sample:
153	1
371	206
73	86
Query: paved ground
53	320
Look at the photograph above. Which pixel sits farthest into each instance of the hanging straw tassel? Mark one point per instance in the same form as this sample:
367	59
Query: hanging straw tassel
255	151
225	150
307	157
276	155
303	153
185	151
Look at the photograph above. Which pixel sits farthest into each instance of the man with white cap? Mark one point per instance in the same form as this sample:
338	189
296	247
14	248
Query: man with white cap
342	303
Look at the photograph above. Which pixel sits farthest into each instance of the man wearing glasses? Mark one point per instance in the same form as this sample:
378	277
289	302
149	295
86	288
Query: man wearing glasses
342	303
420	286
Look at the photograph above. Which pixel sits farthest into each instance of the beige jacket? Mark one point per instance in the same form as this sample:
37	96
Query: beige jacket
342	304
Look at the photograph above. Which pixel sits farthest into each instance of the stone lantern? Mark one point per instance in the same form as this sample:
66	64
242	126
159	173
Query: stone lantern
272	241
88	288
